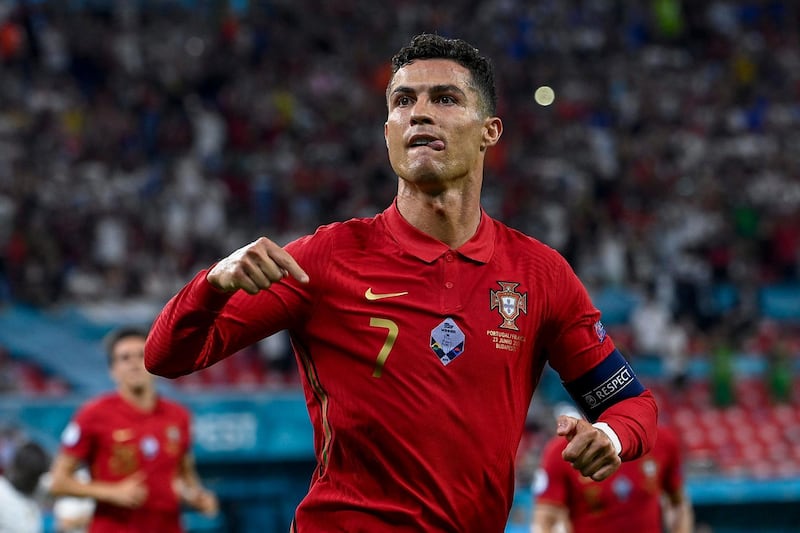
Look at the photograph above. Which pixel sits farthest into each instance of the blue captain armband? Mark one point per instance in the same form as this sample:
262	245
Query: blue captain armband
609	382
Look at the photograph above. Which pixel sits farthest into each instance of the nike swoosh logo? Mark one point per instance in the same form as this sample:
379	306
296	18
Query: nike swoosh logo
369	295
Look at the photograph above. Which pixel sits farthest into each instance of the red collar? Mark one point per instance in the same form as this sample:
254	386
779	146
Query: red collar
421	245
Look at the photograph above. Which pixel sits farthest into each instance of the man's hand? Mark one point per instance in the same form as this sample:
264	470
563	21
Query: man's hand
589	450
201	499
129	493
255	267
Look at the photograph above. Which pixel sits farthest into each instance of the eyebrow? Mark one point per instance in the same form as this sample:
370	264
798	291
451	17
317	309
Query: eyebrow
436	89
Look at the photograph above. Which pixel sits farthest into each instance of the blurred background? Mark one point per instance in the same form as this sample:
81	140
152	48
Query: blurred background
140	140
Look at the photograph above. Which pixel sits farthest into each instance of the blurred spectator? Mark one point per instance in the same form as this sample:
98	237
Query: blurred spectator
20	506
73	514
21	376
656	334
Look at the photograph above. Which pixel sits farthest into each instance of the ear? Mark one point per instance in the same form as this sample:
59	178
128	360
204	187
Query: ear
386	133
492	130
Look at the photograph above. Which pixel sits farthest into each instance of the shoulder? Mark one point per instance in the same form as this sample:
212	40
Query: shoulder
106	401
173	407
355	230
515	242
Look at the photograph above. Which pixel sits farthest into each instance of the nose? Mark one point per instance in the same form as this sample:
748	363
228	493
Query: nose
420	114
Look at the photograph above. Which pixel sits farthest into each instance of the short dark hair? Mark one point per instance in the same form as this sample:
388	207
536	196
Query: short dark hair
431	46
114	336
27	465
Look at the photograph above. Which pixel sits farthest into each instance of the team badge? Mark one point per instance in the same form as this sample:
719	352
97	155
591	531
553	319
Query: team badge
71	434
447	341
509	303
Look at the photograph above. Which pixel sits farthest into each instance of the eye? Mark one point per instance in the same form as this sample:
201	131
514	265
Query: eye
403	101
447	99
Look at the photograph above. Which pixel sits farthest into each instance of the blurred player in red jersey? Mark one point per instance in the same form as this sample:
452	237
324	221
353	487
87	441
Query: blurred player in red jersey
420	333
137	448
644	495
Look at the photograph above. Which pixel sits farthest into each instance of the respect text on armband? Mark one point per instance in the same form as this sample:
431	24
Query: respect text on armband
609	388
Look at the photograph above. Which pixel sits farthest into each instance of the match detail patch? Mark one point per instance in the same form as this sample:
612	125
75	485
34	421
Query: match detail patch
447	341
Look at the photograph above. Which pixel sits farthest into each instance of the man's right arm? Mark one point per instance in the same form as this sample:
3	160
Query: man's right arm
210	318
130	492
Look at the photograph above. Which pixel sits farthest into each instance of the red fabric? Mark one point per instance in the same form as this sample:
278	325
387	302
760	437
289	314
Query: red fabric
634	421
116	439
417	447
629	500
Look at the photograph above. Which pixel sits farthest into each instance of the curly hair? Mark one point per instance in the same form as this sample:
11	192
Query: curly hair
431	46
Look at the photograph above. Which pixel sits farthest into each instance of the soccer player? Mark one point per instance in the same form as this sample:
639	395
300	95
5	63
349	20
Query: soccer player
422	332
642	495
137	448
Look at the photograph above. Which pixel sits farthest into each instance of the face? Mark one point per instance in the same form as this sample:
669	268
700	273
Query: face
436	131
127	364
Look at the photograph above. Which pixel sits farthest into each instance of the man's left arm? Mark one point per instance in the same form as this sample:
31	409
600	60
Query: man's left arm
618	404
621	412
622	416
191	490
678	513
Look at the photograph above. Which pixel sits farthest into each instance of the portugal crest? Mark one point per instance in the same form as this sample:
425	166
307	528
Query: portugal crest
509	303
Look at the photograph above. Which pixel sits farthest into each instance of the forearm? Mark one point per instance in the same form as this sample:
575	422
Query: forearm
634	420
680	517
192	492
63	485
181	337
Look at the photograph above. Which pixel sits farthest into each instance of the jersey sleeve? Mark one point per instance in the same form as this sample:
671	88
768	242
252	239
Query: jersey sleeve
577	341
78	439
551	482
579	344
201	325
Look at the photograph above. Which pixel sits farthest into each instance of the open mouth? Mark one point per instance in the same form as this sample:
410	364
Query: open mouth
422	140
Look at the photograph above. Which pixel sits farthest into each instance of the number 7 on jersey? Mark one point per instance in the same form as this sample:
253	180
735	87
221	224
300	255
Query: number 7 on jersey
391	336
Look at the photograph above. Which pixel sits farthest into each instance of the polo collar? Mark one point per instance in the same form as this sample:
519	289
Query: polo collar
421	245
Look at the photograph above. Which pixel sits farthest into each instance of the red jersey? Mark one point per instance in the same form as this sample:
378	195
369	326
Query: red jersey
418	364
629	500
115	439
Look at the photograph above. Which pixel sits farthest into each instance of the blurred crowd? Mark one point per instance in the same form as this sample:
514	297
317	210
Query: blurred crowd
140	141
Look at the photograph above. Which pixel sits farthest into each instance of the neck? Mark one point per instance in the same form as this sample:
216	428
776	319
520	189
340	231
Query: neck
143	398
452	216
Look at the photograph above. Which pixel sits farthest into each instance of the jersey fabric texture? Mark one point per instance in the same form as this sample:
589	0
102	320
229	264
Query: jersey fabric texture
116	439
629	500
418	363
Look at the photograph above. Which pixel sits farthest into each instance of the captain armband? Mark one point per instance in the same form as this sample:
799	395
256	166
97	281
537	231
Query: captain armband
609	382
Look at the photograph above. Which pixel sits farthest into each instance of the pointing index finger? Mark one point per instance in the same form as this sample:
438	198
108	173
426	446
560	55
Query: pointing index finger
287	263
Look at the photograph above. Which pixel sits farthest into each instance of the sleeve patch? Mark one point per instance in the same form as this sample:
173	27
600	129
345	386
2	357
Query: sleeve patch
71	434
